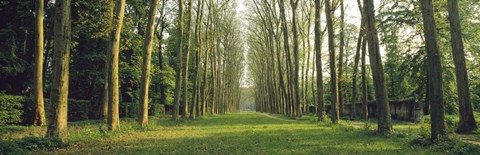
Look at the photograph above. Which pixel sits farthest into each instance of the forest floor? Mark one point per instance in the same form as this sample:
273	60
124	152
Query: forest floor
232	133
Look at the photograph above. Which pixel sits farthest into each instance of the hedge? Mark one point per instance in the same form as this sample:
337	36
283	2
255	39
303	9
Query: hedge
11	109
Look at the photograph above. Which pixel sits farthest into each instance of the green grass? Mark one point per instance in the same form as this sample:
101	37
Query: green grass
232	133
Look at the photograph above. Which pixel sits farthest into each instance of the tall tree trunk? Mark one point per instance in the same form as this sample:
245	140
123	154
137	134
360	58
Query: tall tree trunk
187	59
318	58
341	55
296	88
335	116
384	118
364	80
467	121
178	77
57	124
113	87
196	91
360	42
161	22
108	52
286	45
437	115
38	86
146	65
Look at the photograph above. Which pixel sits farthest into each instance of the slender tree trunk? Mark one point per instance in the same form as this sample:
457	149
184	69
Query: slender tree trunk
187	60
364	80
360	42
146	65
335	116
384	118
57	124
108	52
178	77
437	115
198	50
318	58
38	86
113	87
341	55
296	88
467	121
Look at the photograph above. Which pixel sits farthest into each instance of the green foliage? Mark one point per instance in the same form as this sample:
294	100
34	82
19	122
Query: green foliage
129	109
78	110
10	109
40	143
30	143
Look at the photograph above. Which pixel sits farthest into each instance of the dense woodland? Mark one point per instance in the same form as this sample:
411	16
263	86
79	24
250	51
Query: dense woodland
64	61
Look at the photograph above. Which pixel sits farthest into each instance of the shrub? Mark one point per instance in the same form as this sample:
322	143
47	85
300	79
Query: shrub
78	110
11	109
40	143
10	147
128	109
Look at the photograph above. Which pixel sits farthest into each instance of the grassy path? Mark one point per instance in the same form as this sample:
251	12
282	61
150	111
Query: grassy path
244	133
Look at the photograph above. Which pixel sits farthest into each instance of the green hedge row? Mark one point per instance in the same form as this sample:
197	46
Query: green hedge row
11	109
21	110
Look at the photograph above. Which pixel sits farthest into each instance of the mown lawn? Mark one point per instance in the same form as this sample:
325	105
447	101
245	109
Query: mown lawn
233	133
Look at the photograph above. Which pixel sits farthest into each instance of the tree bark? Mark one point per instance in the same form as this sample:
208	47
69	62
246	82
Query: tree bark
318	64
146	65
178	77
187	59
196	90
384	118
434	70
113	87
467	120
295	73
341	55
38	87
57	126
335	116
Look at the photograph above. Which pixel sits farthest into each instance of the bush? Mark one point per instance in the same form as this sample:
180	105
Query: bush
11	109
78	110
40	143
454	146
128	109
10	147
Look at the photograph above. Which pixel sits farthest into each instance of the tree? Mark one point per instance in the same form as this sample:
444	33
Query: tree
57	126
384	118
318	58
113	88
435	89
147	58
341	56
467	121
186	62
195	110
38	91
333	69
178	77
108	51
294	4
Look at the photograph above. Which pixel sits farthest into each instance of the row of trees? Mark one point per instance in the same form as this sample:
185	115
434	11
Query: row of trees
97	46
274	73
